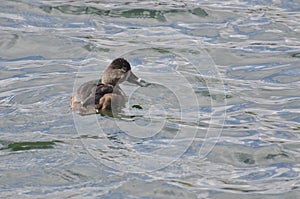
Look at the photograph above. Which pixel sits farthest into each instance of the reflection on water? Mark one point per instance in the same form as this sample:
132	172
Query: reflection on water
127	13
220	120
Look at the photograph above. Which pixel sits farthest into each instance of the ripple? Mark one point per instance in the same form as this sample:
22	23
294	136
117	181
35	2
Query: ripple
8	41
159	15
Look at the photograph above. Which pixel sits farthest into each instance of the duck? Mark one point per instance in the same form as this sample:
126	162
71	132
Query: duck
105	94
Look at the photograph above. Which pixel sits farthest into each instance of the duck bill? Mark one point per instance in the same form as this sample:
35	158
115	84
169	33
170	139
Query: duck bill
135	80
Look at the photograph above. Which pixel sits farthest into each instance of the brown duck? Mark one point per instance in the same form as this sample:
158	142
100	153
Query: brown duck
105	94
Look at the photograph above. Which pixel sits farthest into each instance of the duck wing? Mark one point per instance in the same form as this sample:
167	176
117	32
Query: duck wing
85	94
89	93
101	90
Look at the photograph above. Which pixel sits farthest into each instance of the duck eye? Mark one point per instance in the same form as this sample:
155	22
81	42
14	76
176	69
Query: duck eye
124	69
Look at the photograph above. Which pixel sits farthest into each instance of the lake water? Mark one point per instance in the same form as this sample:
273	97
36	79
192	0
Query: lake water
220	120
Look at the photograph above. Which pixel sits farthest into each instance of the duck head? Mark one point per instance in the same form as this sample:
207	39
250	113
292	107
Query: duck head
119	71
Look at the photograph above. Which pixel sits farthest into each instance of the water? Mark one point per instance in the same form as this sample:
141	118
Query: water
221	119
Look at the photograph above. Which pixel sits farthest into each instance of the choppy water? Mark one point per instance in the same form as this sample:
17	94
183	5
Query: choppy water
221	119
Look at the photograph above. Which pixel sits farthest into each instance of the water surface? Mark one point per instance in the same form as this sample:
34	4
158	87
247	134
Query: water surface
220	120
